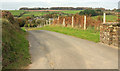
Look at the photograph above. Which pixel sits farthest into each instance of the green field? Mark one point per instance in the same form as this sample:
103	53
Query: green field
16	12
89	34
109	18
41	13
71	11
35	13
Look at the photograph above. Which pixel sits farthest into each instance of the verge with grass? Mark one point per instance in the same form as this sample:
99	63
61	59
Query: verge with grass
89	34
15	51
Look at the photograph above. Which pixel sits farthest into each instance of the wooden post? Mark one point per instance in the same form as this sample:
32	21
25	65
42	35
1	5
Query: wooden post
46	22
84	22
72	21
53	21
39	25
58	19
104	18
64	22
49	22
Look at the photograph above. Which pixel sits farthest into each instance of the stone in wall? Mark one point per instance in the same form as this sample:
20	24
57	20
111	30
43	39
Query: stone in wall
110	34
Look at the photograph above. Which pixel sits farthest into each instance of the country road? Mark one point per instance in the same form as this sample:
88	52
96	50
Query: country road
51	50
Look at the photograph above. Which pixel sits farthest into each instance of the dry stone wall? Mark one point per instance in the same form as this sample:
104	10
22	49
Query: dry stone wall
110	34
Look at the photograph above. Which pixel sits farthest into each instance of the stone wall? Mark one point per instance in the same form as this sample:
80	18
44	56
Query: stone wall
110	34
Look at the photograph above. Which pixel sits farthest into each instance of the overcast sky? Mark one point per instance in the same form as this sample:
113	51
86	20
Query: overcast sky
16	4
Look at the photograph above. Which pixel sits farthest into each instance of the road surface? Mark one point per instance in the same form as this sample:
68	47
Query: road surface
51	50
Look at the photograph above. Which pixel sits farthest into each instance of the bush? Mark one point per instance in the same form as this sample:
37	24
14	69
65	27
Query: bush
91	12
26	25
118	10
99	18
27	18
47	16
35	25
21	22
38	21
30	25
8	15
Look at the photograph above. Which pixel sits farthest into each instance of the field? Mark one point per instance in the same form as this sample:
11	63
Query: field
36	13
42	12
71	11
109	18
16	12
89	34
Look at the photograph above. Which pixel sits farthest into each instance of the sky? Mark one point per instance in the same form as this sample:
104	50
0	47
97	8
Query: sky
16	4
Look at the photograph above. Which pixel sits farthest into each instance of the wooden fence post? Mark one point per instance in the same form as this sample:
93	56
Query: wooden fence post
58	20
72	21
104	18
84	22
49	22
53	19
46	22
58	17
64	22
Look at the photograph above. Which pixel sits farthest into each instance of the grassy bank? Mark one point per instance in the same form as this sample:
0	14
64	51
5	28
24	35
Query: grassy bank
89	34
15	49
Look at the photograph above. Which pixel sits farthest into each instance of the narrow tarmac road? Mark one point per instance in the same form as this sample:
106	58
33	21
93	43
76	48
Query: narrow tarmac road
51	50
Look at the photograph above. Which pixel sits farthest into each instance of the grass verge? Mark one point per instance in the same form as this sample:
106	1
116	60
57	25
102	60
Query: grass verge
89	34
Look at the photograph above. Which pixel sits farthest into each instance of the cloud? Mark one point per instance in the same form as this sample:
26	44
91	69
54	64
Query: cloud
59	1
15	4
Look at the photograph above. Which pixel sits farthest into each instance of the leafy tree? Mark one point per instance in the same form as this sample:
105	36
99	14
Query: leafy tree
98	10
118	10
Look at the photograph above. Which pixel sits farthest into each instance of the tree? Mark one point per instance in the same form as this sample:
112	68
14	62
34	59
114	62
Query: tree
89	12
118	10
